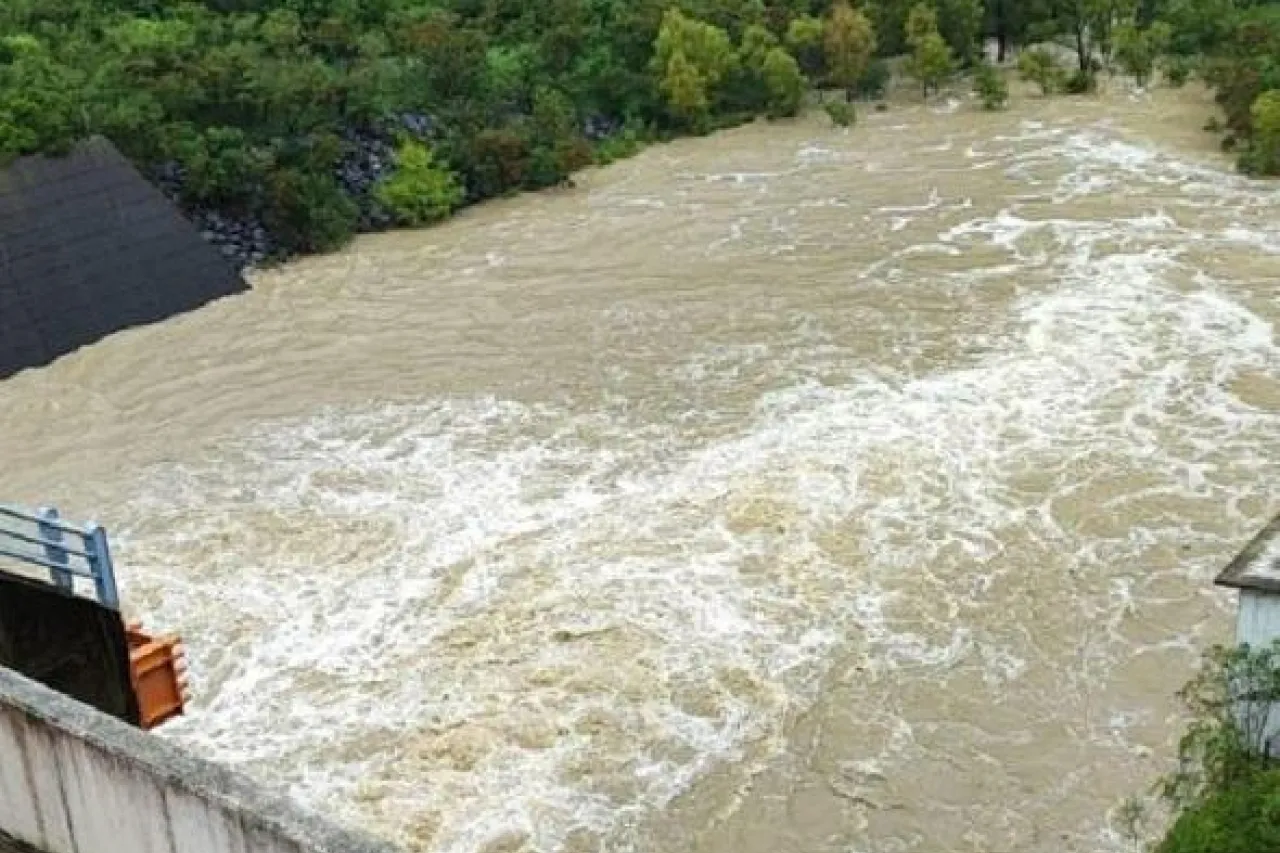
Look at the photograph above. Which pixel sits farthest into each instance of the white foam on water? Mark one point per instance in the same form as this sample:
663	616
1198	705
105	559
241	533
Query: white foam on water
934	201
813	152
1267	241
466	618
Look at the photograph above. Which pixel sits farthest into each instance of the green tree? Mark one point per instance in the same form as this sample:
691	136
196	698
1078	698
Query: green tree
309	212
558	148
418	191
1199	26
1225	793
849	42
1229	701
930	61
39	107
757	41
922	21
1243	818
841	113
991	87
1037	66
224	167
784	82
686	91
875	80
805	35
1009	21
1137	49
960	24
1089	23
1262	157
703	47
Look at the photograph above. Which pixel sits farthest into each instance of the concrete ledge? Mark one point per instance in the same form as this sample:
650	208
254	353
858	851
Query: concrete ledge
74	780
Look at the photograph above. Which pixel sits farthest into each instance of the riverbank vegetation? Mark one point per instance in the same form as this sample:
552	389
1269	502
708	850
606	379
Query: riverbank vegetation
1225	794
285	126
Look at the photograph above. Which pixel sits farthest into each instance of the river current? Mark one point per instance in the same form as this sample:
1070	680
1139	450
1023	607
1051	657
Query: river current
793	488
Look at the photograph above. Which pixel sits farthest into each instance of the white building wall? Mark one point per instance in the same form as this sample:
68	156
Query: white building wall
1258	624
1257	618
73	780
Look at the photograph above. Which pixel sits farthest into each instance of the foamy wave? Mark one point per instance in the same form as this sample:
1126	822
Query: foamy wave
478	619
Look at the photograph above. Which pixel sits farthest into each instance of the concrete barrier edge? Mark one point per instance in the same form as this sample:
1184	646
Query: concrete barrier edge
253	805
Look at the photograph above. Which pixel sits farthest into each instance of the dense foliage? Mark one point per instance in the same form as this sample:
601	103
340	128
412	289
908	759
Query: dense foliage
991	87
1226	791
284	125
1237	45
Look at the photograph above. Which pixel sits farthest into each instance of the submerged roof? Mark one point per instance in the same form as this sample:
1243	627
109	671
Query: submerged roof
1257	567
88	247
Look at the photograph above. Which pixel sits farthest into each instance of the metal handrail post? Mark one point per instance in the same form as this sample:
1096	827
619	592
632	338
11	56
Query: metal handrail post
52	534
104	574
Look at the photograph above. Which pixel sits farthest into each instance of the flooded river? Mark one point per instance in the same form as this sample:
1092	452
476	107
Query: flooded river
792	489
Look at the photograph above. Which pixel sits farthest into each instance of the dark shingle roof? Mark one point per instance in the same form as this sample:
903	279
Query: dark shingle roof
1258	565
88	247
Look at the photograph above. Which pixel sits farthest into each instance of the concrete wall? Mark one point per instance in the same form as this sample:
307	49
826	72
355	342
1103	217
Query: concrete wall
74	780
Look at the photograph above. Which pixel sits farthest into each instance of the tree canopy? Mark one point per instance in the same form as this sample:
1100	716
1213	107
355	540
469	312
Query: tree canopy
291	117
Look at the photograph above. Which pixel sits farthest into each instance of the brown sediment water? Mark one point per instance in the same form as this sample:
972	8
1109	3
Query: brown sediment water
789	489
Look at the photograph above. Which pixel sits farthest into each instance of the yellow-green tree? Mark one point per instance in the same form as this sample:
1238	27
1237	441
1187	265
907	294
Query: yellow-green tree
690	59
757	41
930	55
705	46
849	41
1037	66
686	91
922	21
804	40
1137	49
419	191
784	82
1263	154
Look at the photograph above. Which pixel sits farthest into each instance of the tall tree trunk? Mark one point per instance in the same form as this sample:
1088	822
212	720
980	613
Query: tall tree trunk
1002	32
1082	47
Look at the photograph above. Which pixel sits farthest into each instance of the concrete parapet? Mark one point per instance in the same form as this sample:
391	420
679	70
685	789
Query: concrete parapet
74	780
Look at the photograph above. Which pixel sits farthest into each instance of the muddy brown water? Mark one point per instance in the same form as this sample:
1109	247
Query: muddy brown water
791	489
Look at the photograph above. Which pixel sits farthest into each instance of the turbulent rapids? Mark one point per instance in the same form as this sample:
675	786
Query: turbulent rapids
794	488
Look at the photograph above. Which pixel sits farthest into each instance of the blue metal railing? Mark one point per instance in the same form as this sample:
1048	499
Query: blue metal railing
60	552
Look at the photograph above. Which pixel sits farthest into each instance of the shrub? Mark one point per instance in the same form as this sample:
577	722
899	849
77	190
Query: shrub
991	87
418	191
849	42
804	39
1230	702
875	80
1262	156
931	62
784	82
842	113
618	147
1225	793
309	212
1082	83
1037	66
1177	70
1244	818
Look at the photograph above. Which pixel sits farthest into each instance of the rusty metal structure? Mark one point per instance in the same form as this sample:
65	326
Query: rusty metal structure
60	621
